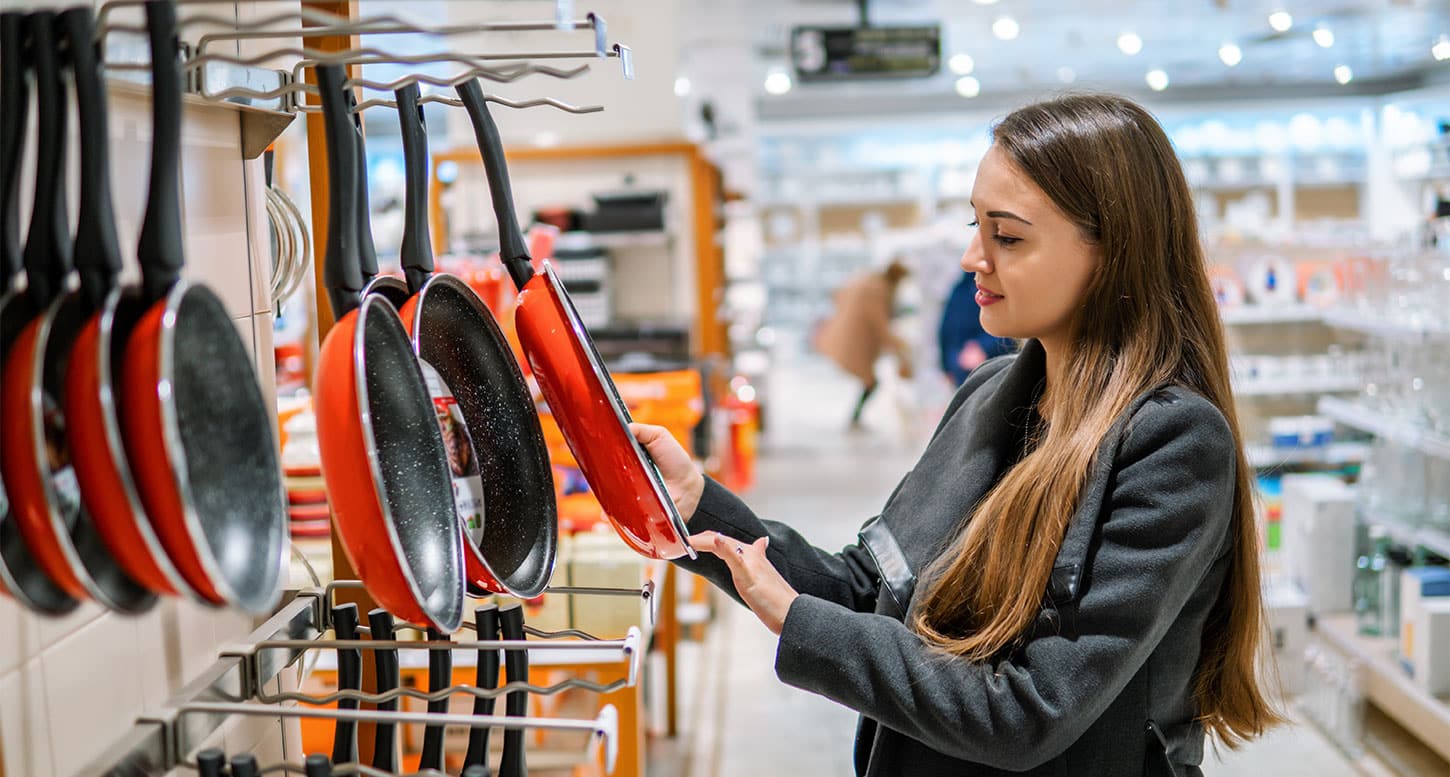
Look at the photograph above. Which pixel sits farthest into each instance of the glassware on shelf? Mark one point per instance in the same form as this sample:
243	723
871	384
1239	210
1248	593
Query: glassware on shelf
1368	578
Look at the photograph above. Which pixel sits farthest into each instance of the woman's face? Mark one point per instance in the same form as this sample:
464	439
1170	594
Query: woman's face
1032	264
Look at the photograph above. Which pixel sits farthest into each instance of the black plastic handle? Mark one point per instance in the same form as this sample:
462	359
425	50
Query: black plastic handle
367	251
514	251
385	753
516	704
486	620
349	678
245	765
210	762
160	247
417	250
317	765
476	770
440	676
14	107
47	246
97	251
341	271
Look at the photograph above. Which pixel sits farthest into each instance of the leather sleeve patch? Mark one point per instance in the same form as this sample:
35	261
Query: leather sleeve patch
891	563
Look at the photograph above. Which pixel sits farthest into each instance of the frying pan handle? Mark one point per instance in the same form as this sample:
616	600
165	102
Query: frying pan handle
385	755
368	252
47	247
97	252
516	668
417	252
514	251
349	677
245	765
14	105
160	248
486	619
341	271
440	676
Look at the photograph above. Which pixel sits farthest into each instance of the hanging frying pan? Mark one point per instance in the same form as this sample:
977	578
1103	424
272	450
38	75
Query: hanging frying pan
197	431
20	575
383	459
571	375
92	385
503	484
43	484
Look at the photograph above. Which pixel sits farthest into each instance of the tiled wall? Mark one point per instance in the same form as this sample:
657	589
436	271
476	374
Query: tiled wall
70	686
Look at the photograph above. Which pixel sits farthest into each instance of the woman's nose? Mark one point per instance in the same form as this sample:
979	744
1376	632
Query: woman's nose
975	259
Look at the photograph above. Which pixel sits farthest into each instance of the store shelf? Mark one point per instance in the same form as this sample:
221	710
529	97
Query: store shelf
1265	314
1277	387
1434	540
1263	456
1359	322
1385	684
1356	415
652	238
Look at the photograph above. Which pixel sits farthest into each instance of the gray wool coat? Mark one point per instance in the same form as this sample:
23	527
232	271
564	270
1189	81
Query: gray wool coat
1103	683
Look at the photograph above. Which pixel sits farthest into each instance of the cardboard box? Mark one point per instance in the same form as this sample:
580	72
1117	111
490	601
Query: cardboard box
1318	526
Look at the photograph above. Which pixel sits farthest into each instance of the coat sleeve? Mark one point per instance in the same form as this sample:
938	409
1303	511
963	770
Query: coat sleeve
1165	521
848	579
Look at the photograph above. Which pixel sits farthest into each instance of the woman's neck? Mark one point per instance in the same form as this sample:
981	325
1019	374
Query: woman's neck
1055	354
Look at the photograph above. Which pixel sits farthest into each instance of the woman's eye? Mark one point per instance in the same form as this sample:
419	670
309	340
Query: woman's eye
974	224
1005	241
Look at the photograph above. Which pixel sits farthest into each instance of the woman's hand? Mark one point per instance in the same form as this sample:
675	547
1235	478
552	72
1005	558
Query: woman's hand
762	588
682	479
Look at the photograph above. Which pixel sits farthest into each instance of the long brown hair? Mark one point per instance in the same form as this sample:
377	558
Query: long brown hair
1148	318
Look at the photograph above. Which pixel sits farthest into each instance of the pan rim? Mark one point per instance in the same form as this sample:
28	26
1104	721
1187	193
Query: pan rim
110	422
582	343
540	454
365	420
171	440
139	599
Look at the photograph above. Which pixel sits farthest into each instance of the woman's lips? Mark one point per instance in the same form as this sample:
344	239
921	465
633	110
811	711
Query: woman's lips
985	298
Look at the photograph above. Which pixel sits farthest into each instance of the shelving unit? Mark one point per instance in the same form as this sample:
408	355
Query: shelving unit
1436	541
1356	415
1278	387
1358	322
1385	684
1266	314
1264	456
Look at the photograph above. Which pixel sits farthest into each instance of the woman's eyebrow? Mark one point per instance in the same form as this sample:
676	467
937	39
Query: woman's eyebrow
1001	214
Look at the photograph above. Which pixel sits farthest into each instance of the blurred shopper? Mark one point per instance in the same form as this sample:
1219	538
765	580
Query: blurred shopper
961	341
860	329
1067	582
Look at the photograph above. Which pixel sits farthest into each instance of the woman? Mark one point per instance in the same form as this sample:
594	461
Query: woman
1067	582
860	331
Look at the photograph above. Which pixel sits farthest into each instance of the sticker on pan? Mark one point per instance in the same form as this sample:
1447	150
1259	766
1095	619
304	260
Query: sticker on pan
462	463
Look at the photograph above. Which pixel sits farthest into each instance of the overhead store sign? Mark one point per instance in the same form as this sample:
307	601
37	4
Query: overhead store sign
844	53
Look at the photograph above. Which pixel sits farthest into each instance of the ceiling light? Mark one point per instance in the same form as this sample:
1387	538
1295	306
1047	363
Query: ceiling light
1441	49
1281	21
968	86
1129	43
961	64
778	82
1005	28
1066	74
1343	74
1157	79
1323	36
682	86
1231	54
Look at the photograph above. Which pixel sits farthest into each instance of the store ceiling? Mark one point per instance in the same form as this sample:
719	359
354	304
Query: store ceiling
1385	43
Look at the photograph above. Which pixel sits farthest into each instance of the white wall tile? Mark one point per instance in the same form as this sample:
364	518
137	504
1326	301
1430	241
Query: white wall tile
19	635
53	630
265	357
248	335
158	648
24	724
93	688
259	244
214	208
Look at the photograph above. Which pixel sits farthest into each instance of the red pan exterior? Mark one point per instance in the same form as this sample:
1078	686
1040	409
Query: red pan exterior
581	405
102	484
352	494
23	482
474	570
150	456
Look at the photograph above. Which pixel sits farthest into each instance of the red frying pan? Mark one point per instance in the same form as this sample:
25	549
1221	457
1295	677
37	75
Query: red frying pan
44	485
500	463
197	431
383	458
20	575
571	375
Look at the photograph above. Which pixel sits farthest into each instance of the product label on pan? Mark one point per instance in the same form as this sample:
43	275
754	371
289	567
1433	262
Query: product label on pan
467	483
